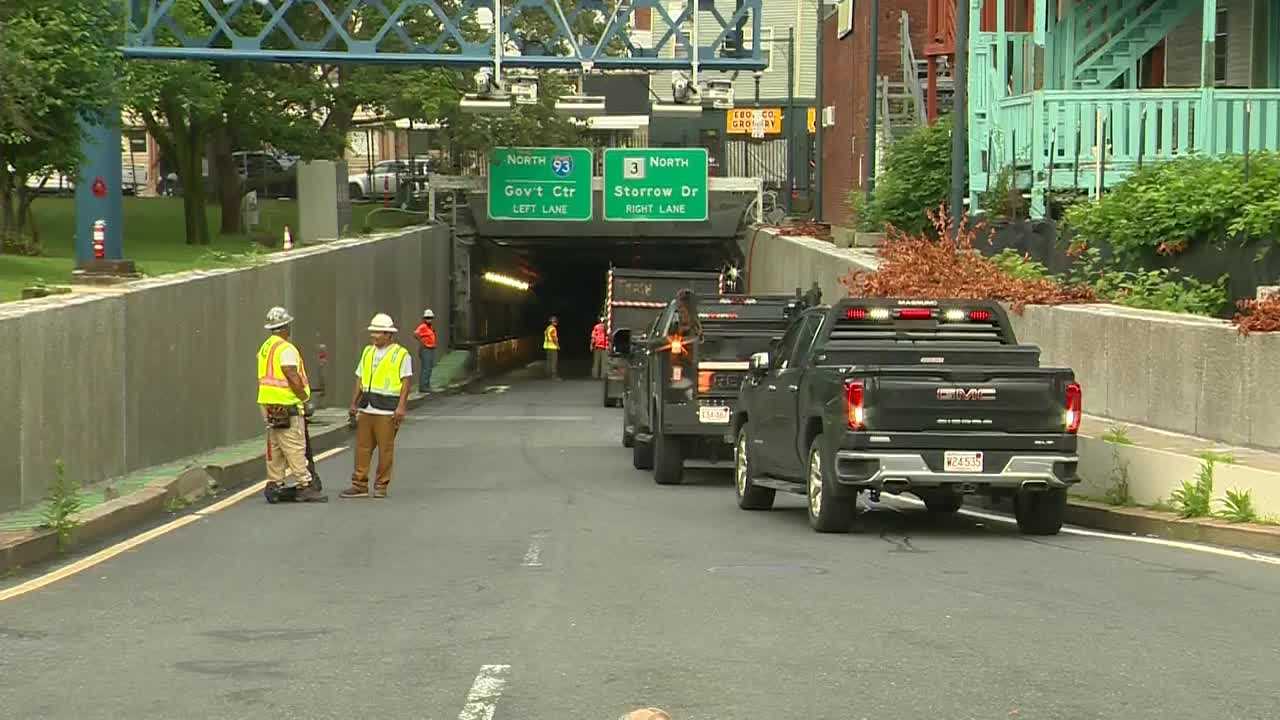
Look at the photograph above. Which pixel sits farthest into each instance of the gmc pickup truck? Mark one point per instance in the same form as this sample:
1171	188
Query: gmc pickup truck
684	376
935	398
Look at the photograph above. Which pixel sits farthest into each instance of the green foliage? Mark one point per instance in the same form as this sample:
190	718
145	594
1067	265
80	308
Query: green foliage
1217	456
1165	207
1119	493
916	179
61	505
1003	199
1018	265
1162	289
1117	435
1238	506
1195	498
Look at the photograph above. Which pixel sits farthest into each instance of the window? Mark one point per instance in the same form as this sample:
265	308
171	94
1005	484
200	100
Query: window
766	43
1220	48
807	334
138	141
787	347
844	17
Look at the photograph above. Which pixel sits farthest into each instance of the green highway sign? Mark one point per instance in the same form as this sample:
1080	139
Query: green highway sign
540	184
649	184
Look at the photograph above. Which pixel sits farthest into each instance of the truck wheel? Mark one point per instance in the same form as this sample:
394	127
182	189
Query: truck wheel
642	455
355	192
750	495
668	459
1040	513
942	503
827	513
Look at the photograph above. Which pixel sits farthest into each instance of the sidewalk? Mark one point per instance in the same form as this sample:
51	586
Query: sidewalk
111	507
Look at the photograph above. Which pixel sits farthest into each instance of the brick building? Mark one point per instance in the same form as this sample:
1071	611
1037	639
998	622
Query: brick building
845	59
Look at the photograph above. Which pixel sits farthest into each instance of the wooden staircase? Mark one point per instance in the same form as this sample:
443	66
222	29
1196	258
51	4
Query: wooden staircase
1115	34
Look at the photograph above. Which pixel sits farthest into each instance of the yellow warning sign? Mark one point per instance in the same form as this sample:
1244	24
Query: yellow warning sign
813	121
748	121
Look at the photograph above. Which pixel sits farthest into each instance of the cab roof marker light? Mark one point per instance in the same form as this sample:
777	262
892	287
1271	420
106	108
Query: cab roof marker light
980	315
880	314
954	315
915	313
856	314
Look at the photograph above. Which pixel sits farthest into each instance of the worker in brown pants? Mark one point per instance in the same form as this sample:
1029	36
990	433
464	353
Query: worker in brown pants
379	404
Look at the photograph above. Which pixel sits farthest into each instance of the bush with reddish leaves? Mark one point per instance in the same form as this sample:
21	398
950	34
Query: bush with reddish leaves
1258	315
920	266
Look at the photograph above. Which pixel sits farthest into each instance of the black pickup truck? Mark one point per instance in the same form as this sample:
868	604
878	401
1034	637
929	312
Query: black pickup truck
935	398
684	376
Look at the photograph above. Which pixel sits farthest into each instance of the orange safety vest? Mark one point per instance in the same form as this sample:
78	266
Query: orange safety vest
598	339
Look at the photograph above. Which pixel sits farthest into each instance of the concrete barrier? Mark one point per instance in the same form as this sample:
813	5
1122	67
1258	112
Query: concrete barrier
1183	373
129	377
503	355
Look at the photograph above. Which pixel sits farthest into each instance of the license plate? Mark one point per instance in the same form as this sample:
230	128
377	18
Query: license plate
962	462
713	414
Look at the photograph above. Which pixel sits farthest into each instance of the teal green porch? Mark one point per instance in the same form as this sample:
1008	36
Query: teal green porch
1078	94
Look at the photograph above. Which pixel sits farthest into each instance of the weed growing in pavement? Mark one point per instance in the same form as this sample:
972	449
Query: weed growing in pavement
1194	499
1217	456
1238	507
1117	435
1163	506
1119	493
62	505
176	504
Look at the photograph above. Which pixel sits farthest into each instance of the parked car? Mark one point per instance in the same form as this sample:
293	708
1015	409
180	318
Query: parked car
384	178
935	398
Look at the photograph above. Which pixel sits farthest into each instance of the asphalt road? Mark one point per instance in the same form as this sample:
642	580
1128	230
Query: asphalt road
522	568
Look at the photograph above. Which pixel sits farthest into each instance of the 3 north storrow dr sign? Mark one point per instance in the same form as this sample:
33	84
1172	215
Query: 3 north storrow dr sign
652	185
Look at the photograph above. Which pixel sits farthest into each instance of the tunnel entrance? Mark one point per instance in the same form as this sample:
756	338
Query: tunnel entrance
565	267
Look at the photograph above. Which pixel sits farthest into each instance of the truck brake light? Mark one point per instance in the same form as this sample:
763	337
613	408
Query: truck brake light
856	314
980	315
1075	407
854	395
915	313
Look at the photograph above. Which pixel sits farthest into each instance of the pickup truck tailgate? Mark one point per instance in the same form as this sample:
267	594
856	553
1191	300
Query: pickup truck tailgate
1006	399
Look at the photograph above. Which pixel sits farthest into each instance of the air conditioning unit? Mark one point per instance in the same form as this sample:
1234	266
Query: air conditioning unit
829	116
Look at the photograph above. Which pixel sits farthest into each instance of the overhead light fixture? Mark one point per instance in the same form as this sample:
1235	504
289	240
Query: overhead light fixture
506	281
580	105
675	110
720	93
485	105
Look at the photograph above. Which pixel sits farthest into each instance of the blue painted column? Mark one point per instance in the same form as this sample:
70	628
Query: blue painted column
98	191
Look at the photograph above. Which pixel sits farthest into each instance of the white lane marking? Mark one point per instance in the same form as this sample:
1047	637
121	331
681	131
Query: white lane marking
533	556
1071	530
106	554
504	418
482	701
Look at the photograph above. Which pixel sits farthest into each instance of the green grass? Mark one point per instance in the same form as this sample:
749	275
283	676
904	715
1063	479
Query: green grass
155	240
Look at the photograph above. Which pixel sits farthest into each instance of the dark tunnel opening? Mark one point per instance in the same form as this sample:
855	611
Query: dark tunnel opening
568	280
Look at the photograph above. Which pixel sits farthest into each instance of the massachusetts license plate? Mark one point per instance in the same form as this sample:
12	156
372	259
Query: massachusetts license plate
713	414
962	462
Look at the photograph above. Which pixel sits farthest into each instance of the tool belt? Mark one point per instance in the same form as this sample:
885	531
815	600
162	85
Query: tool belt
280	417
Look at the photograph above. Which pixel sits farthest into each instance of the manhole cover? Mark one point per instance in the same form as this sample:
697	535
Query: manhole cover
766	569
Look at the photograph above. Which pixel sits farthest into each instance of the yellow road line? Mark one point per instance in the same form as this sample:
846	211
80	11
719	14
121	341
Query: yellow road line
106	554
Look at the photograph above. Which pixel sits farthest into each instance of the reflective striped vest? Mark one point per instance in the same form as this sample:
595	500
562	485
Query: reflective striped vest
273	386
551	339
380	384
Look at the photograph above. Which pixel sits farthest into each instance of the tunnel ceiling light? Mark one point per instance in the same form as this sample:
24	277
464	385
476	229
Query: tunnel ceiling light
506	281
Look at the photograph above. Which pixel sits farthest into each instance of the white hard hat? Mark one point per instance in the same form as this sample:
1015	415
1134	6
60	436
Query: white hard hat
382	323
428	313
277	317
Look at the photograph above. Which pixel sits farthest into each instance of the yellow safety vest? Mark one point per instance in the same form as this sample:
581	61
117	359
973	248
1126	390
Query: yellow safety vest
273	386
380	384
551	339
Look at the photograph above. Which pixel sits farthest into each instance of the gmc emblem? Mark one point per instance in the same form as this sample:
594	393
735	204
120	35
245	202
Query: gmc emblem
966	393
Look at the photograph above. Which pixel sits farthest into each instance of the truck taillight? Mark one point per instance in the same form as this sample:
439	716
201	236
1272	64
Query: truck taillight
915	313
1075	407
980	315
854	395
856	313
705	379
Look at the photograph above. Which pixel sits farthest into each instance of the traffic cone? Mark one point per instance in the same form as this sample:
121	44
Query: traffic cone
288	239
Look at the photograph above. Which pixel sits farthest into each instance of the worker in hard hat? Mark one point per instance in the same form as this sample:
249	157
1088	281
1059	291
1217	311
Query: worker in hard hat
426	335
283	393
599	349
379	403
551	345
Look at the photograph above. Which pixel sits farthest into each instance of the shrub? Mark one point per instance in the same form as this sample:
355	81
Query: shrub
1258	315
1019	265
1162	289
1163	208
1194	499
919	266
916	179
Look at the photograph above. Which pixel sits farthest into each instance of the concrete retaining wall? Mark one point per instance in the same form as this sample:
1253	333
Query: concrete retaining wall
113	381
1183	373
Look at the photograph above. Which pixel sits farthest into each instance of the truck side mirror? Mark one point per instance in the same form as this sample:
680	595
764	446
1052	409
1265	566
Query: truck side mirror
620	344
759	364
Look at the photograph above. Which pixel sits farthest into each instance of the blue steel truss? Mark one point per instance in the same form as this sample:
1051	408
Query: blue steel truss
567	34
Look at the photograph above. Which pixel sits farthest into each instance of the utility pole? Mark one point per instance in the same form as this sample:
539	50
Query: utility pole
792	121
817	125
960	115
873	86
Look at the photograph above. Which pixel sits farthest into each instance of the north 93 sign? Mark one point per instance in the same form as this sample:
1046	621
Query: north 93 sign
562	165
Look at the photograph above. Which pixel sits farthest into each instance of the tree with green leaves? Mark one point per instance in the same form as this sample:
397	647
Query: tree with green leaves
58	64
